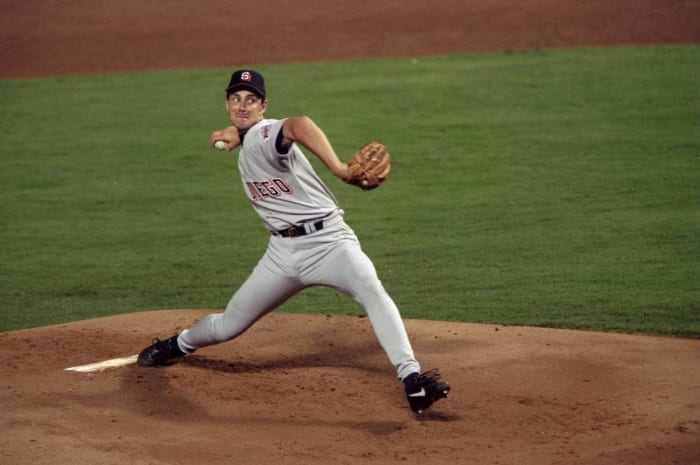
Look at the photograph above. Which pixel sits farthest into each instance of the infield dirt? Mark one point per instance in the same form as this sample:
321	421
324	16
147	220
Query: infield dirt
300	389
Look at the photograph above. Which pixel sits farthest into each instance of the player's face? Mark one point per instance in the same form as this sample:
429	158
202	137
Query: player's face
245	108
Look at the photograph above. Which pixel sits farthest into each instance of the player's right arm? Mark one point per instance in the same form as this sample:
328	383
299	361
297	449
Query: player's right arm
304	131
229	135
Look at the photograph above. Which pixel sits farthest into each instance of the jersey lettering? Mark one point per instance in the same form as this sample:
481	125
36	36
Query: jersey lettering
266	132
261	190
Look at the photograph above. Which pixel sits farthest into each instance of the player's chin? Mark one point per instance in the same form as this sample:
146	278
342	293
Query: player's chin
242	123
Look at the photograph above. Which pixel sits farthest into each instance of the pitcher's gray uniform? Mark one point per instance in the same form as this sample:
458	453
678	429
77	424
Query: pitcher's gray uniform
285	191
309	245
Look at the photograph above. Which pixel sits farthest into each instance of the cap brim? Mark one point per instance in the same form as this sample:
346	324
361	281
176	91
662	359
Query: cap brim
236	87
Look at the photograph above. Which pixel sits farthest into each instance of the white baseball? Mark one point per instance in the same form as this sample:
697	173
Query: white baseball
220	145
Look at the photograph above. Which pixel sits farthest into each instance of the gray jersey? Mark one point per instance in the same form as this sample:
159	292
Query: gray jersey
282	186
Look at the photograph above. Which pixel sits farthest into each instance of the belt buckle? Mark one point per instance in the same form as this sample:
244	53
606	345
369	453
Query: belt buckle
293	232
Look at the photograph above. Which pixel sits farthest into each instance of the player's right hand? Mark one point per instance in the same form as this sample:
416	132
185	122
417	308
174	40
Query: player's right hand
228	135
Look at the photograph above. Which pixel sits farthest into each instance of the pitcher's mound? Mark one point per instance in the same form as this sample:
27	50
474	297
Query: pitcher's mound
299	389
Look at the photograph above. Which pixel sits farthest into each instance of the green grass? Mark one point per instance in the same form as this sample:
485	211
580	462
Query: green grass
548	188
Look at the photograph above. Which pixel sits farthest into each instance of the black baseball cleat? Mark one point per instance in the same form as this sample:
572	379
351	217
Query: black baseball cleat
160	353
422	390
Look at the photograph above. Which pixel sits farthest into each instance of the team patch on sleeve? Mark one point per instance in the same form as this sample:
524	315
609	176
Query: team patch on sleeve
260	190
265	131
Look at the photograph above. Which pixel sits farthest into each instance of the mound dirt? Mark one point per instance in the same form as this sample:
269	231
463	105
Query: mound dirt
299	389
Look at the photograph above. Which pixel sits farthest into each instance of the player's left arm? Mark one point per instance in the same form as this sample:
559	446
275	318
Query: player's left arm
304	131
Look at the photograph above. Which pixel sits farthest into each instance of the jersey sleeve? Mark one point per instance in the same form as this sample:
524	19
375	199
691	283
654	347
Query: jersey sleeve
272	136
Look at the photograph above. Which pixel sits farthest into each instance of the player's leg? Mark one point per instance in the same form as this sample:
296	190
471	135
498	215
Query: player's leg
348	269
265	289
257	297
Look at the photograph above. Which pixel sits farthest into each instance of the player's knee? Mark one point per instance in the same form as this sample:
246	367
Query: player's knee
371	291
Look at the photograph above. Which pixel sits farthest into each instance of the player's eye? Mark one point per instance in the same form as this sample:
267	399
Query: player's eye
249	100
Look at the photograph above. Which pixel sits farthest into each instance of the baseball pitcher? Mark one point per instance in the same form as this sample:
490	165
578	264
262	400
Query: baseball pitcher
310	244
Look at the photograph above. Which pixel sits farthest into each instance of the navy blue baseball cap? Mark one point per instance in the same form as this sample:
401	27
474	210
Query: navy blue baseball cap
247	79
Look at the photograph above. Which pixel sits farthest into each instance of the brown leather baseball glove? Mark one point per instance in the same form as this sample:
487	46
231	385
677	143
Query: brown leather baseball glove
370	166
